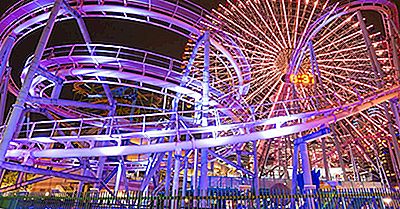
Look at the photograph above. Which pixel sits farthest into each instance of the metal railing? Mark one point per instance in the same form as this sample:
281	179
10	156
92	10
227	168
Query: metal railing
185	11
216	199
121	127
116	52
152	125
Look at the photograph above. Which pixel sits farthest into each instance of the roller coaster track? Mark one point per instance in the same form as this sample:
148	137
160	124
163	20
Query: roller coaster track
147	128
180	17
123	65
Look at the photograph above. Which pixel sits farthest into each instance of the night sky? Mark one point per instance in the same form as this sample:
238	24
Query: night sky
131	34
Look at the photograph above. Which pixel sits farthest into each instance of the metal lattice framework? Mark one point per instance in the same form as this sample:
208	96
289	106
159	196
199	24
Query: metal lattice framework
232	97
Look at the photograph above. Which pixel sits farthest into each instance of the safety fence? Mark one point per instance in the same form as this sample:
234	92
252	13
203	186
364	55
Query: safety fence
226	199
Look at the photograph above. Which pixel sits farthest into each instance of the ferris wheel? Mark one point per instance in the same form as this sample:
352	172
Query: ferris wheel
322	50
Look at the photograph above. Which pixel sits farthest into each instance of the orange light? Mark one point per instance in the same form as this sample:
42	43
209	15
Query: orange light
304	79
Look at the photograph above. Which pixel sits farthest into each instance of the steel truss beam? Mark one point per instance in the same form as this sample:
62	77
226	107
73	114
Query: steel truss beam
205	102
152	170
108	178
3	93
247	172
18	108
44	72
328	117
64	102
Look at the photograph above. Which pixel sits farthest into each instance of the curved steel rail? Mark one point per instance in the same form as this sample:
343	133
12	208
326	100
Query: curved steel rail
117	62
276	127
182	18
387	8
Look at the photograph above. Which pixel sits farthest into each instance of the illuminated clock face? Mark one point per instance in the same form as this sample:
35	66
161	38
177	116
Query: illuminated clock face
304	79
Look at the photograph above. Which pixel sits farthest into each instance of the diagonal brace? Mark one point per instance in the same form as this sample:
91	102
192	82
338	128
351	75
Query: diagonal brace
230	163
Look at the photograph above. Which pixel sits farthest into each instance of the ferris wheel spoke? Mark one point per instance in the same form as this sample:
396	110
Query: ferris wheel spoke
309	20
378	126
341	51
264	85
286	23
296	26
257	11
340	86
252	23
277	24
351	71
250	34
342	40
257	46
349	79
332	31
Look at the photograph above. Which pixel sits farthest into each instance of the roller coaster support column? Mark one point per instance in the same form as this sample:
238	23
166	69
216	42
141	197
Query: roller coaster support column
295	163
175	184
185	177
339	152
118	177
326	164
379	75
18	107
195	176
3	93
169	172
204	122
353	162
81	184
4	55
255	177
305	164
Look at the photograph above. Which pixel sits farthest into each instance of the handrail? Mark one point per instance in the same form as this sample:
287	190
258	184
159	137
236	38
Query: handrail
183	10
155	123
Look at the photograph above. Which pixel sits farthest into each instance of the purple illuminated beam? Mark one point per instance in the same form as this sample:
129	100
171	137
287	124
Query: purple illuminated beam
5	52
152	170
63	102
88	41
230	163
175	19
221	141
44	72
18	107
3	93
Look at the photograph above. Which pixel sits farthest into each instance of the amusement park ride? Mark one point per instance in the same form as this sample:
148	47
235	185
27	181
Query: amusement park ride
265	90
